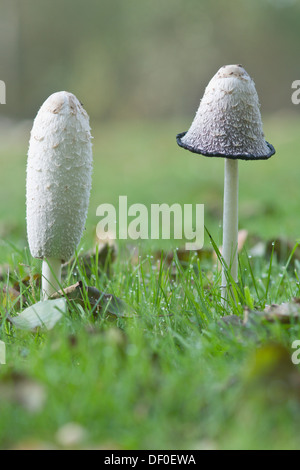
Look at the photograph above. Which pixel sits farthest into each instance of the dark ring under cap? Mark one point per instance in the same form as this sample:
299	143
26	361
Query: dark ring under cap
223	155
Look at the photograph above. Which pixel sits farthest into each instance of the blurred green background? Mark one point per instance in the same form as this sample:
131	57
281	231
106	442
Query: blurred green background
140	67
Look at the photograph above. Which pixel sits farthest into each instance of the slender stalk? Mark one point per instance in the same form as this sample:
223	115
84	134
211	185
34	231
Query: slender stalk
230	225
51	277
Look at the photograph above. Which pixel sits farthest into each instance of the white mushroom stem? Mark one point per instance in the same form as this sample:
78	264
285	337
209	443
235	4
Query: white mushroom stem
230	226
51	277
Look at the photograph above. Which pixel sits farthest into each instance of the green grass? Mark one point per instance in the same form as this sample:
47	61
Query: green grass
172	376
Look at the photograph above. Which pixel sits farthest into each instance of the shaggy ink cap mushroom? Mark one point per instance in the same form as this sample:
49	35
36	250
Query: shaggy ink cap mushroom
228	122
58	185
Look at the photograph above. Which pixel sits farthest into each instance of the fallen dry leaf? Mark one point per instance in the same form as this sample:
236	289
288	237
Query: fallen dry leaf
104	303
287	312
40	315
107	254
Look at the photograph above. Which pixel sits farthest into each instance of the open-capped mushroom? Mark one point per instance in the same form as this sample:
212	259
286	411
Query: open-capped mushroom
228	124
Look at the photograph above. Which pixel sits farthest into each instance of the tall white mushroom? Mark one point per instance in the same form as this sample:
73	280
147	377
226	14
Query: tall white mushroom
228	124
59	171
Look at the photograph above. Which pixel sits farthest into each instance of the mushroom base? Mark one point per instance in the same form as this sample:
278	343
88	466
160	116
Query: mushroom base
51	277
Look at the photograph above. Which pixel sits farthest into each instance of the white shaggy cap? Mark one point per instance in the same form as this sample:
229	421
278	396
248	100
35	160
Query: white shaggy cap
228	122
59	171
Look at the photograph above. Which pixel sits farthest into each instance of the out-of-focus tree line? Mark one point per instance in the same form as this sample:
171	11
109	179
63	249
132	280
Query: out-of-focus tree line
144	58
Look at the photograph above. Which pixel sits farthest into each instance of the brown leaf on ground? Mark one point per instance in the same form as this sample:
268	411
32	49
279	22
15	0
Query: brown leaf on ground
103	303
287	312
107	254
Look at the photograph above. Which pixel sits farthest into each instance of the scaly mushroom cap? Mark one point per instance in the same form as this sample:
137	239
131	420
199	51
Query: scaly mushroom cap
228	122
59	171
